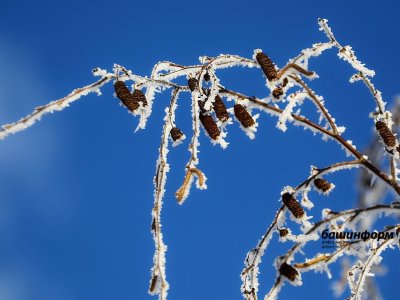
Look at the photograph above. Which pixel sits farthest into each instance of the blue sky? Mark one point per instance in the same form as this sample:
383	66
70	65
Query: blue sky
76	189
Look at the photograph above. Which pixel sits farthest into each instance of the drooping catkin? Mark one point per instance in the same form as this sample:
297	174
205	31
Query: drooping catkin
386	134
176	133
293	205
210	125
288	271
243	115
322	185
266	65
192	83
220	109
125	96
153	283
140	97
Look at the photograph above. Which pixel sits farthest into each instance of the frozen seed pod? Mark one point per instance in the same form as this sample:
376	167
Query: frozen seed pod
192	83
153	283
323	185
220	109
283	232
288	271
140	97
210	126
125	96
386	134
277	93
176	134
243	116
266	65
292	204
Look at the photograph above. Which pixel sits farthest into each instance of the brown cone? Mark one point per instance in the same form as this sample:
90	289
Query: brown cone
125	96
243	116
266	65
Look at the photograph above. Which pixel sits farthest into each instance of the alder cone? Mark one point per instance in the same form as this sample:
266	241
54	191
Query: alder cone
266	65
386	134
192	83
210	126
288	271
283	232
220	109
125	96
243	116
176	133
276	93
322	184
140	97
292	204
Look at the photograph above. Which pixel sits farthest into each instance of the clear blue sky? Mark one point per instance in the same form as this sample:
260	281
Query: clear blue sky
76	189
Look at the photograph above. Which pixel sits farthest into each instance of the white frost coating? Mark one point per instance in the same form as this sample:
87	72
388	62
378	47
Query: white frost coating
161	285
314	51
146	112
364	268
224	61
56	105
100	72
341	129
191	169
305	201
346	53
196	130
286	114
214	90
301	238
249	276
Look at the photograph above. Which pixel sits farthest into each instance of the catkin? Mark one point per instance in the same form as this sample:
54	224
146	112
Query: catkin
140	97
243	116
288	271
322	184
125	96
192	83
220	109
153	283
283	232
266	65
386	134
292	204
210	125
277	93
176	133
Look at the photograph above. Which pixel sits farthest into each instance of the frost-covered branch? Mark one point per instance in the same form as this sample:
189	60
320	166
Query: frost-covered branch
158	283
56	105
338	221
